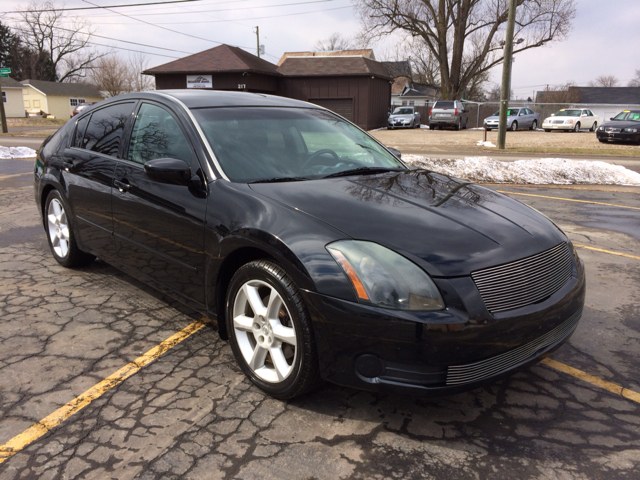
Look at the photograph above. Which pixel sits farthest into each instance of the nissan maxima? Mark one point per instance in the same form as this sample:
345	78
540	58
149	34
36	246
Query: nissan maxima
316	250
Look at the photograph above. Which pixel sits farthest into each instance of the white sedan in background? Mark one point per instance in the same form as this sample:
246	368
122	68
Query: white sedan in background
571	119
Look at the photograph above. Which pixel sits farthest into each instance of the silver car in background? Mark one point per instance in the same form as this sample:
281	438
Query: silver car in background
520	117
404	117
448	113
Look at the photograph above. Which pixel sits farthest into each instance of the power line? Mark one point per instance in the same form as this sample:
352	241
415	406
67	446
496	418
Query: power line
105	6
159	26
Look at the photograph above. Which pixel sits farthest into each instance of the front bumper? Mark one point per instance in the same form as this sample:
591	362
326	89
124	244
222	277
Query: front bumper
618	137
556	126
439	353
399	125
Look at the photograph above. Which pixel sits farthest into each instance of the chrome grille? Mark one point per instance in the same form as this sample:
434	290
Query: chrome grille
473	372
524	282
557	122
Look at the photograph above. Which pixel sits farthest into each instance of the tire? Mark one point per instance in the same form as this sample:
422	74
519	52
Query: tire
534	125
456	127
488	129
514	126
594	127
388	128
577	127
282	362
60	235
417	126
547	130
602	141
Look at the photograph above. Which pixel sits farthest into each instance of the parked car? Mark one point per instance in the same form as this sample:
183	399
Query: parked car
81	107
319	253
448	113
404	117
624	127
571	119
516	118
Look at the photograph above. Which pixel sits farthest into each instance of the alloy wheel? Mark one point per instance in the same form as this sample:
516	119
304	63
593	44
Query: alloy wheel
264	331
58	228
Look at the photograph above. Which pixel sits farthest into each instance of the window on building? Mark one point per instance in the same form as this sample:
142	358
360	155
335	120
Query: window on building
27	104
74	102
36	103
404	103
4	97
412	103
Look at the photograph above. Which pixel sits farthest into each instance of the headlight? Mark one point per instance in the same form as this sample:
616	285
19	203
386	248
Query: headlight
601	129
631	130
384	278
568	121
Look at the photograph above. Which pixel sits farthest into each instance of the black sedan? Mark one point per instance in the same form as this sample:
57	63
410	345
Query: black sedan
624	127
320	253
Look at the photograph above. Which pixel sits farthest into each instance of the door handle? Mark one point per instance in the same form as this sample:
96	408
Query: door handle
121	186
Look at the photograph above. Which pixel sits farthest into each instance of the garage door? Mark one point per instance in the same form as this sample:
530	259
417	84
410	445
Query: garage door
342	106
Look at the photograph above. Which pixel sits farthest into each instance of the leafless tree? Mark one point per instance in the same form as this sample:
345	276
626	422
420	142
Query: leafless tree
115	75
604	81
464	35
636	81
335	42
64	40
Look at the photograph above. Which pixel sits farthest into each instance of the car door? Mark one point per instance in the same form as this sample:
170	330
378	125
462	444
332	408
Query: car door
88	169
159	227
586	121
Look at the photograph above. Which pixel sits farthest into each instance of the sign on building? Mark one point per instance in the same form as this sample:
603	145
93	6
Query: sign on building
199	81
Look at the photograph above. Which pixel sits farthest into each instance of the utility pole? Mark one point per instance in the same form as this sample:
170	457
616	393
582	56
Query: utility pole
258	40
2	115
506	74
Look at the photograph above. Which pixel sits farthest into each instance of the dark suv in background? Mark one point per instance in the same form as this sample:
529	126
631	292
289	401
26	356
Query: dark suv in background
448	113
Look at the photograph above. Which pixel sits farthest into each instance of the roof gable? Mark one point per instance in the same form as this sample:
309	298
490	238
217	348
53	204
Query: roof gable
223	58
8	82
66	89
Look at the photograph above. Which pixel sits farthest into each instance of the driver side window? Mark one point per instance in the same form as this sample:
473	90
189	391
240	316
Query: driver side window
156	134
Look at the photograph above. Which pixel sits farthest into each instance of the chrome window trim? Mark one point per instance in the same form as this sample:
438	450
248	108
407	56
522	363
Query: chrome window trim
202	137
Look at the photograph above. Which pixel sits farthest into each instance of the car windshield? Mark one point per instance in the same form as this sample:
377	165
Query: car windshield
627	115
403	111
568	113
510	112
280	144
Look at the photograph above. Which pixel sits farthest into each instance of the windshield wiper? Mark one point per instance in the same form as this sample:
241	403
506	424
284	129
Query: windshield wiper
364	170
281	179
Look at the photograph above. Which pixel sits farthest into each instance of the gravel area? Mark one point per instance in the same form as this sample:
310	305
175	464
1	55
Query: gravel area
469	138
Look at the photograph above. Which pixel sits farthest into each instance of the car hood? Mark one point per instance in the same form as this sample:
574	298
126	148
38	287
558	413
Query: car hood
448	226
558	117
621	124
408	116
497	119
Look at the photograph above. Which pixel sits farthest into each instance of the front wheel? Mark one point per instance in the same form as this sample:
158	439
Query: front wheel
534	125
514	126
270	330
62	240
594	127
577	127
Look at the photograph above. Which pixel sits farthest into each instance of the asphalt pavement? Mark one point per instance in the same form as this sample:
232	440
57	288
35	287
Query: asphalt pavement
175	405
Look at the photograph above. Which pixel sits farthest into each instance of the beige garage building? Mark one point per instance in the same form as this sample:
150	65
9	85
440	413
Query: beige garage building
57	99
12	97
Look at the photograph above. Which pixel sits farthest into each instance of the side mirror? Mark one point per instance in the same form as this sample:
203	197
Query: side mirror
395	152
168	170
553	114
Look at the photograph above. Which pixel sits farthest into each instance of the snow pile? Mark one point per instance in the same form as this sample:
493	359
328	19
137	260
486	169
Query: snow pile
16	152
544	171
485	144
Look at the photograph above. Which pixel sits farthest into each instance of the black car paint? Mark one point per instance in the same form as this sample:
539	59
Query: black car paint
621	136
448	227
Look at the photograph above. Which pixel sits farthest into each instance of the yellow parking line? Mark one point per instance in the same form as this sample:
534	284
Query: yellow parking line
598	382
568	199
607	251
37	430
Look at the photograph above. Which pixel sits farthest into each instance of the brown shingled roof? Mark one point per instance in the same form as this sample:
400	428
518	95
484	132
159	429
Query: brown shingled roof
363	52
223	58
332	66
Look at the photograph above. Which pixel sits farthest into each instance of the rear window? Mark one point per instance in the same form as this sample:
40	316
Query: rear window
443	104
106	128
59	141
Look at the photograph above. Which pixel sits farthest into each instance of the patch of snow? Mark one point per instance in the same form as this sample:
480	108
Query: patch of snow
378	129
544	171
16	152
485	144
426	127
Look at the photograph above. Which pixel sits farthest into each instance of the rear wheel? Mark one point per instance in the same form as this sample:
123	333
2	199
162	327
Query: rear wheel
456	126
60	235
594	127
270	330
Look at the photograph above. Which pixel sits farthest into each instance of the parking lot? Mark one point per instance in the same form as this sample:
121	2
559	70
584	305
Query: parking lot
175	405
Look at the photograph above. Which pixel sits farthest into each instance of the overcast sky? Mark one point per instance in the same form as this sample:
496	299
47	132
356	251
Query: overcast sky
604	39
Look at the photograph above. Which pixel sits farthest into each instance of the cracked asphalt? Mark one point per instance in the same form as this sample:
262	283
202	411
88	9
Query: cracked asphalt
192	414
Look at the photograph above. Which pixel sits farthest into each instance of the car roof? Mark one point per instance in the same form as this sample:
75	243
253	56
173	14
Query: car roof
217	98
